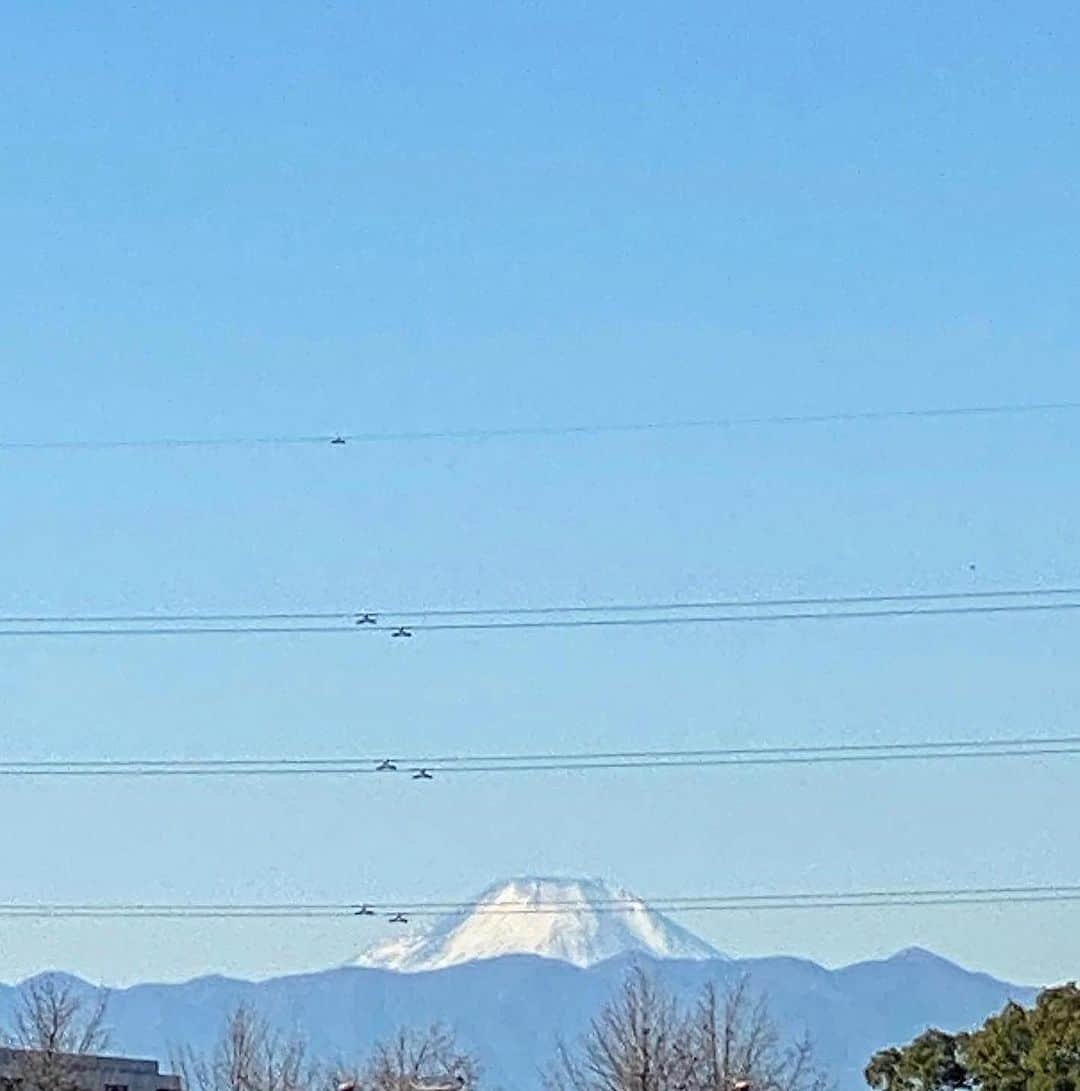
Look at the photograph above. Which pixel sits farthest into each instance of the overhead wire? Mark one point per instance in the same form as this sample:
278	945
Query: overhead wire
709	903
402	766
574	609
505	624
540	431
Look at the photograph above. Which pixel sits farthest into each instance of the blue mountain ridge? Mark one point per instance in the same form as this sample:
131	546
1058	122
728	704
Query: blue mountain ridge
513	1010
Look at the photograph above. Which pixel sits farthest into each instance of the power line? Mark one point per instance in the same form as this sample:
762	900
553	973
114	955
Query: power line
540	431
689	902
767	902
572	609
404	767
429	760
726	619
511	623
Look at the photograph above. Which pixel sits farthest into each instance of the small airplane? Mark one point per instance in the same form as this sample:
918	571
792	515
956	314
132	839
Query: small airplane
399	918
364	911
422	774
338	441
401	631
366	619
386	766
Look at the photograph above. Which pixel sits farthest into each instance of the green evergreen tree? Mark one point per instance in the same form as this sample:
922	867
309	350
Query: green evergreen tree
1019	1049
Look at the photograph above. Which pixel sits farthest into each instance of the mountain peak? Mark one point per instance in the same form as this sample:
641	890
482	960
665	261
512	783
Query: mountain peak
916	952
565	919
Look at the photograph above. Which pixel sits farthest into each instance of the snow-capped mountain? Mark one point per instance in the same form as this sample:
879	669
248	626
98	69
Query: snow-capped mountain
566	919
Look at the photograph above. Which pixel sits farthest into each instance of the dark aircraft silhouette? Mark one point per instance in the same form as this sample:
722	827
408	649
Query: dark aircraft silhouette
422	774
386	766
366	619
338	441
401	631
364	911
399	918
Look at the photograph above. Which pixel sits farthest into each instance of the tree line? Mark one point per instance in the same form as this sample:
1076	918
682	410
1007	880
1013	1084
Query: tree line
642	1039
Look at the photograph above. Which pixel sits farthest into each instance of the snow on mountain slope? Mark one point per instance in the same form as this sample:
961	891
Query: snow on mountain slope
563	919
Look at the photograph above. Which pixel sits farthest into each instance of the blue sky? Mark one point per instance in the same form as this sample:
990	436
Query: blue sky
277	218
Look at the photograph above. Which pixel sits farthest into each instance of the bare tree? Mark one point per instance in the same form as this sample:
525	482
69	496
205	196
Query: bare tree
643	1041
54	1024
735	1042
638	1042
249	1055
414	1060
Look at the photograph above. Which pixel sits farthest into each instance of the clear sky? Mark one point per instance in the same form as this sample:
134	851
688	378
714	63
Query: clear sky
266	217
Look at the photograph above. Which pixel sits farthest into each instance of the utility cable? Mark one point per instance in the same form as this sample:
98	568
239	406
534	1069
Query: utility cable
342	439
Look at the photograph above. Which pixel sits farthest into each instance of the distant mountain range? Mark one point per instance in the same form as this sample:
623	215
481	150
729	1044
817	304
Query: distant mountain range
512	984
